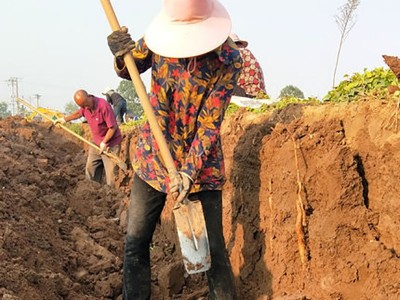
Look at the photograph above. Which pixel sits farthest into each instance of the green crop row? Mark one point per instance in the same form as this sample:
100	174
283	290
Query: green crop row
360	85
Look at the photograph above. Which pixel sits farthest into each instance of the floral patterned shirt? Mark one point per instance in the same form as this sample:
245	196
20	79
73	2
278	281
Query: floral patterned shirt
251	79
189	97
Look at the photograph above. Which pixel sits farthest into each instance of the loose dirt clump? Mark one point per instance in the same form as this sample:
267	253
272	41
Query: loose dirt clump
393	63
310	210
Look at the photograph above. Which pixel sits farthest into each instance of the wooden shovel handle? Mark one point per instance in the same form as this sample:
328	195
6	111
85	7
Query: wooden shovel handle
141	91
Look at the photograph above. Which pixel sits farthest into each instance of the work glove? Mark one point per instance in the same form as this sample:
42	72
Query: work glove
103	147
120	42
180	187
59	121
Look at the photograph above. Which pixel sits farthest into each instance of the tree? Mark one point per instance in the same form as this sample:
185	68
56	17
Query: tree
70	107
345	20
126	90
291	91
4	112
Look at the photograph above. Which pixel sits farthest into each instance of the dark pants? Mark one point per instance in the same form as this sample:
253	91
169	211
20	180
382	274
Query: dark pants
145	209
119	111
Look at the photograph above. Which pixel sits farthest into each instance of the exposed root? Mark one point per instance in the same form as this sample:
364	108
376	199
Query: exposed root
271	219
301	222
393	121
125	202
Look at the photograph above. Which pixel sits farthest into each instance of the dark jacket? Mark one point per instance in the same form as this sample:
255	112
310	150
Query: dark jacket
114	98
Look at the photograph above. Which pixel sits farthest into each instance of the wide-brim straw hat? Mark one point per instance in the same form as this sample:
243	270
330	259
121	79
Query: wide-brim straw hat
237	40
187	28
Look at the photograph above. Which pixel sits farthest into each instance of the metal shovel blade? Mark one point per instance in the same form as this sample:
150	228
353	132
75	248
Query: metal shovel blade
192	234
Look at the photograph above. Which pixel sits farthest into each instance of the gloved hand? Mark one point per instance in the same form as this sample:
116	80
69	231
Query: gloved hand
180	187
120	42
59	121
103	147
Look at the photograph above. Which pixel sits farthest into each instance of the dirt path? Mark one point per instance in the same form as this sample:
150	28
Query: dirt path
310	211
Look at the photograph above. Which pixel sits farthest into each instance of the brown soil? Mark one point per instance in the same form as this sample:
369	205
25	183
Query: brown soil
310	210
394	64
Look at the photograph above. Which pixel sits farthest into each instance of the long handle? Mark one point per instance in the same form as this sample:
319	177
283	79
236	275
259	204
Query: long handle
141	91
111	155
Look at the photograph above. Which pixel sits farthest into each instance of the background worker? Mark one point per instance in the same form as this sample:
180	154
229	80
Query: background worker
117	102
105	134
191	86
251	80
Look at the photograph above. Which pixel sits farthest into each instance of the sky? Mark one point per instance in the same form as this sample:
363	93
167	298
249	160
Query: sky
54	47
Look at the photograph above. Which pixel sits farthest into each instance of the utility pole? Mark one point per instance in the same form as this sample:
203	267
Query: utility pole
37	99
13	81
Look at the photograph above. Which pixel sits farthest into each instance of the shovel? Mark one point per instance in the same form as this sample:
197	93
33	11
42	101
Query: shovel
189	217
111	155
192	234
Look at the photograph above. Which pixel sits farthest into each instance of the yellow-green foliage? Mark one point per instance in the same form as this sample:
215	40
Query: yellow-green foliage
75	127
285	101
128	126
232	108
361	85
262	95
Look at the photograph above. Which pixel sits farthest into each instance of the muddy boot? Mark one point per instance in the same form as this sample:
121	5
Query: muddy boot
221	283
137	277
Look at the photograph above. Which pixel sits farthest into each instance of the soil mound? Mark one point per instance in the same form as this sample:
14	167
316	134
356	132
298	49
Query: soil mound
59	238
310	210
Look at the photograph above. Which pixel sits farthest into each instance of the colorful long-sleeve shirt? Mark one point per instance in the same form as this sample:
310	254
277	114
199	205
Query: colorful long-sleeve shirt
251	79
189	97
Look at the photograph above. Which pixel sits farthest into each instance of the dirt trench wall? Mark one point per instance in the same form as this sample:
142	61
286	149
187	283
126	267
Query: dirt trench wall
327	173
342	159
